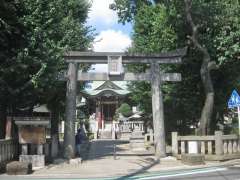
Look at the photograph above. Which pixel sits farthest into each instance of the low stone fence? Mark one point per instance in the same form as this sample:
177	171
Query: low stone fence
126	128
129	126
8	150
215	147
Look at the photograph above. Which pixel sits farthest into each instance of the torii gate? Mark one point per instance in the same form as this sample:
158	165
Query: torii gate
115	61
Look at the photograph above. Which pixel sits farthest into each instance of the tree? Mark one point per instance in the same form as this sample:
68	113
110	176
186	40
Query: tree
206	67
125	110
55	27
43	30
12	41
218	30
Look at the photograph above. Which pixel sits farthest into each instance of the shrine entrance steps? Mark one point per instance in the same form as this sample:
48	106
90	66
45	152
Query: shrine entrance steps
108	135
105	135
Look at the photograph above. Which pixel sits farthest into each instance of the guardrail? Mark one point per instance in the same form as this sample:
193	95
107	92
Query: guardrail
215	147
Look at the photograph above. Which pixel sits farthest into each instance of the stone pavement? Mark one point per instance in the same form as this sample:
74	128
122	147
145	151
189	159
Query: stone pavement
101	162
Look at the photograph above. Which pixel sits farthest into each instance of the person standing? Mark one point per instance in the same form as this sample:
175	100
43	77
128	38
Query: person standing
78	139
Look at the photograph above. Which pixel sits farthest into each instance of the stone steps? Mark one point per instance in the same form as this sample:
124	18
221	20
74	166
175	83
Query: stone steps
125	136
105	135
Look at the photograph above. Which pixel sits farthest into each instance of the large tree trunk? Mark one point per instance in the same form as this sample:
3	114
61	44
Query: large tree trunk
207	110
3	116
54	133
206	67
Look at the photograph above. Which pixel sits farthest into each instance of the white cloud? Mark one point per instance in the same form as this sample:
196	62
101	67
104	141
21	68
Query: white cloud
99	68
100	11
111	41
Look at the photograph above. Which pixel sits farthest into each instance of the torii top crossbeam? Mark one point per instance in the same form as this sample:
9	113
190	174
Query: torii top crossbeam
102	57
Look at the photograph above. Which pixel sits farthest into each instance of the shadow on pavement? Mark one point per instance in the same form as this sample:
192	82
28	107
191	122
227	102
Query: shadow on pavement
102	148
140	171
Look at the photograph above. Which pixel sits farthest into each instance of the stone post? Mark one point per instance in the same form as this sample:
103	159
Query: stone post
102	117
174	143
24	149
39	149
218	143
69	134
8	134
157	110
47	150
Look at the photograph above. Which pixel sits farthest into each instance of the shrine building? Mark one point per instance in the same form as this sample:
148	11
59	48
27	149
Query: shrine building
103	99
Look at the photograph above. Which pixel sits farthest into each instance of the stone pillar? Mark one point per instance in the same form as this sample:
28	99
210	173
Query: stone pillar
113	130
24	149
157	110
8	134
218	143
39	149
98	115
102	117
174	143
69	135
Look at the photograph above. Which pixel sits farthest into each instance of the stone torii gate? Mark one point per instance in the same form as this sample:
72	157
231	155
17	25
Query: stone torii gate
115	61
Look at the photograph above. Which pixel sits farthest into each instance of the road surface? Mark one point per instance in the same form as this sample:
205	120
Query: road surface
211	173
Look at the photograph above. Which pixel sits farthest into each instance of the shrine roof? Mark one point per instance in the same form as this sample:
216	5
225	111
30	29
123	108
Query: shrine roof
106	88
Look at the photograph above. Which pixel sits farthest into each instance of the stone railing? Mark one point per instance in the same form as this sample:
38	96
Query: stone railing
124	129
129	126
215	147
8	150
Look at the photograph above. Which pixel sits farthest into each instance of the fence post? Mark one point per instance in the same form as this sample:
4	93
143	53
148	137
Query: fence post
218	143
174	143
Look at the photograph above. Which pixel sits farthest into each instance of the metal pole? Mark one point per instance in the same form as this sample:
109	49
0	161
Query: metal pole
238	119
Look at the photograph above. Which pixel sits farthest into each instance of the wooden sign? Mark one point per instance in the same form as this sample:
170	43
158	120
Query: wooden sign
32	135
115	65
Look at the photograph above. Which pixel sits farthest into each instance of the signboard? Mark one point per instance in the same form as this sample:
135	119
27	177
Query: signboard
115	65
32	135
234	100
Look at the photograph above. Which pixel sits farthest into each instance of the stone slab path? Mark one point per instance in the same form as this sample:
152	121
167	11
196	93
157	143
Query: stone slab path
101	162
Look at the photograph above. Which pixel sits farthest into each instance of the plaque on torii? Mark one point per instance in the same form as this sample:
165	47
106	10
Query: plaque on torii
115	73
115	65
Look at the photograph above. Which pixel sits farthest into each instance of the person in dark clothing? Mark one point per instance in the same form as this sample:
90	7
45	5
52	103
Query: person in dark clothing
78	139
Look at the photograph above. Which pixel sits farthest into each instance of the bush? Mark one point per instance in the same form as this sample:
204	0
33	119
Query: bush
125	110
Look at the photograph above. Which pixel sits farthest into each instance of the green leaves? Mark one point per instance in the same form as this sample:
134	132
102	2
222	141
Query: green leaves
125	110
161	26
33	37
152	32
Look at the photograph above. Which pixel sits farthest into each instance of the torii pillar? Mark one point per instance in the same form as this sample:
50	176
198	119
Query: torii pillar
158	111
69	128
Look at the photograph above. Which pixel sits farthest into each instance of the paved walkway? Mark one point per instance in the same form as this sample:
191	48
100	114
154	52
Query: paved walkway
102	163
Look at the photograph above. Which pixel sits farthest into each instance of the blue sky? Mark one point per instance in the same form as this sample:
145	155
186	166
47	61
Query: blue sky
112	36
